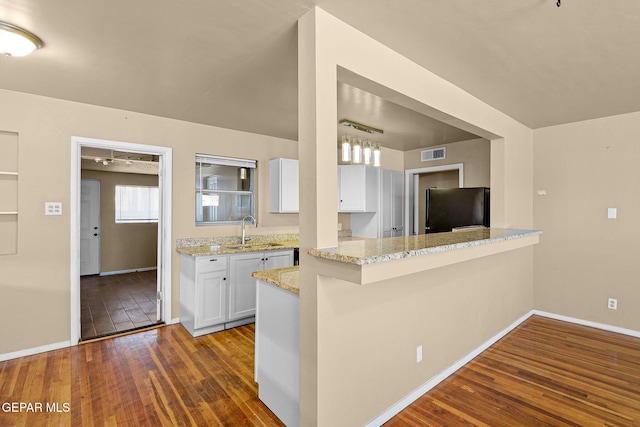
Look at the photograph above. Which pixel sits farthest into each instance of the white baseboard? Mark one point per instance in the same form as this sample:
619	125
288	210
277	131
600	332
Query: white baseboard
602	326
414	395
34	350
131	270
174	321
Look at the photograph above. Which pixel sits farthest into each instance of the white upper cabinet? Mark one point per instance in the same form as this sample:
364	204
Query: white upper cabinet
283	185
358	188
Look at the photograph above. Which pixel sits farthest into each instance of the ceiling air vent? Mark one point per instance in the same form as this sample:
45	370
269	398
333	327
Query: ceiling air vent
434	154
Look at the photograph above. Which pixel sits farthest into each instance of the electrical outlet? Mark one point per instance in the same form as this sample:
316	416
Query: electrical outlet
419	354
612	304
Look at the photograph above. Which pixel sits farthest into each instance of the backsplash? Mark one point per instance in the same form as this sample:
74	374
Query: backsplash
232	240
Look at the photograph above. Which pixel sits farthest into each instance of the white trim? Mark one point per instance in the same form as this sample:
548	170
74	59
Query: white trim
417	393
408	189
131	270
164	224
589	323
34	350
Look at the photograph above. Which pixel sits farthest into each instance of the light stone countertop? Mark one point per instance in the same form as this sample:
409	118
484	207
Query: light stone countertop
287	278
372	251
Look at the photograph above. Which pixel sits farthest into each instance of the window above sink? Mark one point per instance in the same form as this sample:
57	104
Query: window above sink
225	191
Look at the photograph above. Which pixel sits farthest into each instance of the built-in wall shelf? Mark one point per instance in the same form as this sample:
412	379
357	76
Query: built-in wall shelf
8	193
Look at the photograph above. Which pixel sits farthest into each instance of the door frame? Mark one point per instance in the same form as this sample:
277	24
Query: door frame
409	191
164	221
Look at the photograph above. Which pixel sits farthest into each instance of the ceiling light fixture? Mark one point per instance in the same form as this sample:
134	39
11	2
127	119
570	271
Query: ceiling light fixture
360	126
356	150
16	41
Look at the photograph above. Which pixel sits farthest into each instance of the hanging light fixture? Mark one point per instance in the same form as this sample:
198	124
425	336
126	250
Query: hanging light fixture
16	41
366	152
377	155
346	148
358	151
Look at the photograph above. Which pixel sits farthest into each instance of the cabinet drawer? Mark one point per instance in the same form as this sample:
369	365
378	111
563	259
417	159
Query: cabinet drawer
212	263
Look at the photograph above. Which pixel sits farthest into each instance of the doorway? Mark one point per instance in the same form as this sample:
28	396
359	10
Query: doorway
118	242
416	180
138	293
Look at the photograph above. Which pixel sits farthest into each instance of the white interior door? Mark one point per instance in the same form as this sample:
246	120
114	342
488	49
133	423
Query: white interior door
89	227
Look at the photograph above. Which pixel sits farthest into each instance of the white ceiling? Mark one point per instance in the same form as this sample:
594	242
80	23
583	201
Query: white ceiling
234	63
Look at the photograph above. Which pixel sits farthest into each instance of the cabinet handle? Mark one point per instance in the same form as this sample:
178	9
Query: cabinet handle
224	278
266	259
213	259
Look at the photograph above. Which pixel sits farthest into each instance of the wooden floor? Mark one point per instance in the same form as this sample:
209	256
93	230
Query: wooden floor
544	373
162	377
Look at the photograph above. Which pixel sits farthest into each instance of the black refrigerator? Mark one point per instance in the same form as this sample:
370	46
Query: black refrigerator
448	208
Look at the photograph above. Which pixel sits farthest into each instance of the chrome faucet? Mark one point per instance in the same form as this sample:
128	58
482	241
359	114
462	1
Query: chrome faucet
244	234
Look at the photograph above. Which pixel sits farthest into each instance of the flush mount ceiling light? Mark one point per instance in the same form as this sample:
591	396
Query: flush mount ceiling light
16	41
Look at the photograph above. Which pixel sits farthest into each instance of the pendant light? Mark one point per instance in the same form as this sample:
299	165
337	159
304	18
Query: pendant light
357	151
346	148
376	155
366	152
16	41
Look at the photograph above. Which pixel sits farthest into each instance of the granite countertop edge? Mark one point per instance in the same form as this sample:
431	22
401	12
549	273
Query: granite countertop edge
335	255
285	278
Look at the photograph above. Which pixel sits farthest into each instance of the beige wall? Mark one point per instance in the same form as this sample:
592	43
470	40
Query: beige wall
358	342
584	258
123	246
35	302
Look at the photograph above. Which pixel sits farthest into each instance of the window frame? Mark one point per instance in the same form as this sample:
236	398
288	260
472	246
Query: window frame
117	203
200	191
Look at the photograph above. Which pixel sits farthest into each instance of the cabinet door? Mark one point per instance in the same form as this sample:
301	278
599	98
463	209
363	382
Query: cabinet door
392	203
386	203
397	202
289	185
242	287
278	259
283	185
211	297
351	187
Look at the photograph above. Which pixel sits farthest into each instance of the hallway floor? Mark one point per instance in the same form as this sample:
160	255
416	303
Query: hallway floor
117	303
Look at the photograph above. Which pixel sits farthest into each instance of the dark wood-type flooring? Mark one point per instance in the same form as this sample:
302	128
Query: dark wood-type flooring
544	373
162	377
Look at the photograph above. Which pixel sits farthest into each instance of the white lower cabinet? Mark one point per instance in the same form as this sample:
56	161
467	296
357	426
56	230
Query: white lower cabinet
242	287
210	296
218	292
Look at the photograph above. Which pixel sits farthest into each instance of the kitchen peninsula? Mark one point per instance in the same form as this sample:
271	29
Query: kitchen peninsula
277	329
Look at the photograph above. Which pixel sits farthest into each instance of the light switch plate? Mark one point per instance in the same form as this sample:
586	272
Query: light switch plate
53	208
612	213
